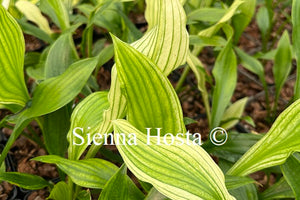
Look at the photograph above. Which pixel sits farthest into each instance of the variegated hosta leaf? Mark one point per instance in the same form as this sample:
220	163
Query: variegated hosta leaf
165	43
89	173
86	117
12	88
5	3
53	94
177	171
24	180
57	91
33	13
230	12
275	147
151	100
168	46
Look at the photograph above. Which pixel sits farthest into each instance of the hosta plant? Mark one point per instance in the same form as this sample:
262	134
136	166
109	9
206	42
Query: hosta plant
141	113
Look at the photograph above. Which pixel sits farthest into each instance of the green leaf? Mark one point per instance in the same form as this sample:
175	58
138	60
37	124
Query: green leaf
275	147
165	43
200	74
60	191
31	58
206	14
89	173
33	14
34	31
53	94
26	181
134	192
282	63
250	63
296	42
116	188
233	182
37	71
233	113
57	11
236	145
86	116
155	195
248	192
12	89
84	195
55	129
263	21
202	41
241	20
61	55
177	171
21	123
144	87
280	190
291	170
225	74
227	16
56	92
187	121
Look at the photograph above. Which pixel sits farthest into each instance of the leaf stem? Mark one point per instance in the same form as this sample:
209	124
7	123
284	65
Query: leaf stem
182	79
297	85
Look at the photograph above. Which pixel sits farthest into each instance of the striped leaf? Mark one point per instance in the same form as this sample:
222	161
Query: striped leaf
56	92
177	171
33	13
26	181
53	94
12	88
275	147
165	43
152	102
89	173
167	46
87	115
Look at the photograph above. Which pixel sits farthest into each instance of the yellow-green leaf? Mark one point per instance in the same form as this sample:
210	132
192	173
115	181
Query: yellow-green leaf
275	147
177	171
86	117
12	88
33	13
152	102
228	15
90	173
165	43
23	180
